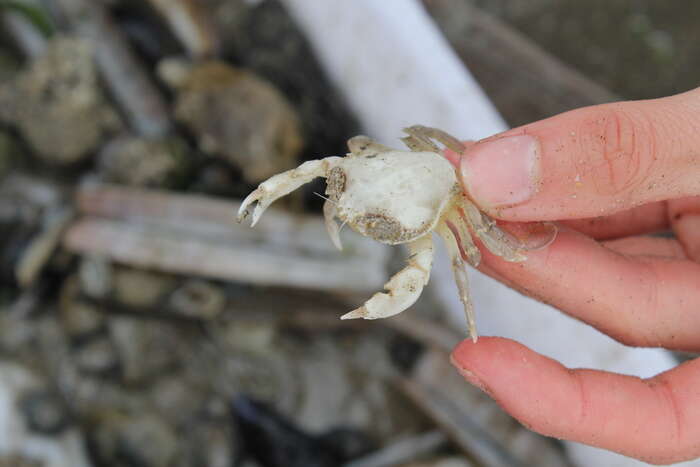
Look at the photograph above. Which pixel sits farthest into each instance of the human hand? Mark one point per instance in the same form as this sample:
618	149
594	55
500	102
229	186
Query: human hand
609	175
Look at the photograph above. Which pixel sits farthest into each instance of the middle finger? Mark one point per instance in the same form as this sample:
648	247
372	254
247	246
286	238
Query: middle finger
638	300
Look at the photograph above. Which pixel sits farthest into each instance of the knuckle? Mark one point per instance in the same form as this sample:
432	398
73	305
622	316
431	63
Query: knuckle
620	147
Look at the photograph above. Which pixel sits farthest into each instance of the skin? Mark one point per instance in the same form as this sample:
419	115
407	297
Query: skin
640	290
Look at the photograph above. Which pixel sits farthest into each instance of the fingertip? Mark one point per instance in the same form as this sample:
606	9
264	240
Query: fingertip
489	363
531	387
469	351
646	419
467	356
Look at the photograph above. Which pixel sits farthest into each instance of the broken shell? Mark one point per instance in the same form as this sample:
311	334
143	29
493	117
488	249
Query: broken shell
251	33
237	115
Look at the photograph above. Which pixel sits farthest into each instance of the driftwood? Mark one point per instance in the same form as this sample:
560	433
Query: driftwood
462	429
472	420
198	235
525	82
402	451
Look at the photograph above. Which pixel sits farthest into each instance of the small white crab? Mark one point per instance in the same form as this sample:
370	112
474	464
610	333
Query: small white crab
398	197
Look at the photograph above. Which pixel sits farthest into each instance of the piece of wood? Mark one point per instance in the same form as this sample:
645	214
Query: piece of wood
461	428
472	420
402	451
198	235
525	82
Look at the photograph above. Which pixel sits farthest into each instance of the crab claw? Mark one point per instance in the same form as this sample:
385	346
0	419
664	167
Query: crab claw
356	313
257	196
404	288
399	298
282	184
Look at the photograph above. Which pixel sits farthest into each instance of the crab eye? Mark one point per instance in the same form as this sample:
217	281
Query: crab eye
335	183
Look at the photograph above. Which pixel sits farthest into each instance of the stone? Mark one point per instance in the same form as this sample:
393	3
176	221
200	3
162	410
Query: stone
57	103
236	115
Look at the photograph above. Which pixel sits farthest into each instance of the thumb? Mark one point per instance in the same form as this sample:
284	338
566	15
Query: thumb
589	162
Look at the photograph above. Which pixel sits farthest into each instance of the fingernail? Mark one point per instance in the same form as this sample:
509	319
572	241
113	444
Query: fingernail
470	376
502	172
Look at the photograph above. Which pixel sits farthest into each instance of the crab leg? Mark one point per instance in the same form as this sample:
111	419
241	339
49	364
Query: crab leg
461	278
417	144
281	184
498	242
458	225
329	210
404	288
420	137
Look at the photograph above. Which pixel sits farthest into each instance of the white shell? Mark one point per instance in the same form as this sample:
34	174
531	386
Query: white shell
394	196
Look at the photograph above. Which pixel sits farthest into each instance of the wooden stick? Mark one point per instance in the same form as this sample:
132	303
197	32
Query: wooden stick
198	235
471	419
402	451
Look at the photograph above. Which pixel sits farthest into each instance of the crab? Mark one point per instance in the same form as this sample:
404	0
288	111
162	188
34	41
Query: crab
401	197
